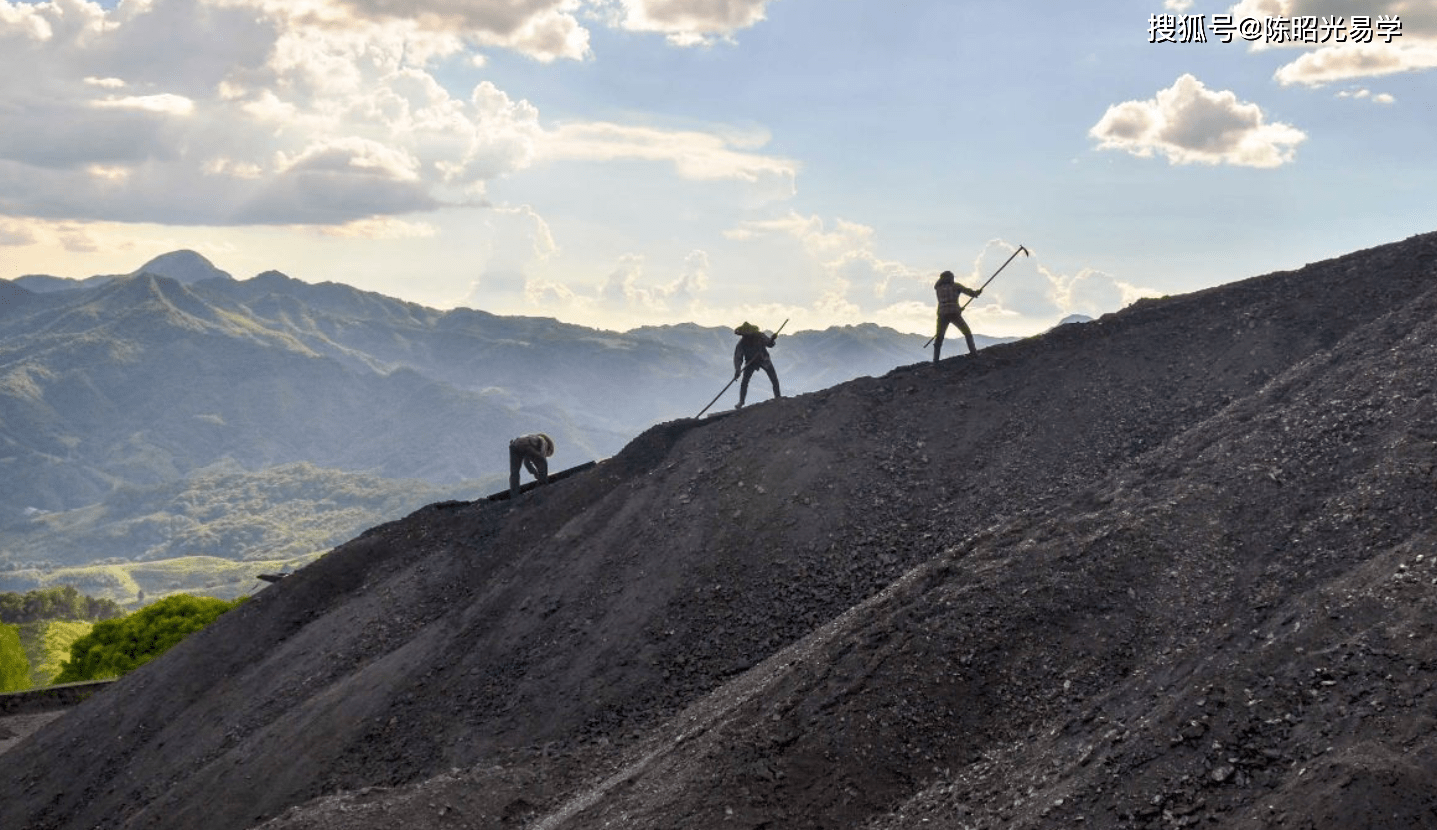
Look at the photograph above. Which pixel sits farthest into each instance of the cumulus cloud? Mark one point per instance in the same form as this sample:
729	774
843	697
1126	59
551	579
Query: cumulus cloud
1028	290
323	112
1189	123
855	284
514	244
1411	47
627	287
545	30
838	263
692	22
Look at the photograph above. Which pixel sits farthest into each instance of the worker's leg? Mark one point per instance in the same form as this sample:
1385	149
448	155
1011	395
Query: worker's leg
772	376
967	334
938	338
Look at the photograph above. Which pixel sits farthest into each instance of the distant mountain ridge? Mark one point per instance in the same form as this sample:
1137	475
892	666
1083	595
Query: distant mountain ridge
140	380
1173	568
184	266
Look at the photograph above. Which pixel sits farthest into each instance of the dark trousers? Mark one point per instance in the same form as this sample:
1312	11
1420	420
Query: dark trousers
956	318
748	370
539	467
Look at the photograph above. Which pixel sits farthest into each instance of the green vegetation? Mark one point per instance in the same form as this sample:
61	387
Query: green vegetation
14	666
46	621
61	602
47	645
288	511
132	583
115	647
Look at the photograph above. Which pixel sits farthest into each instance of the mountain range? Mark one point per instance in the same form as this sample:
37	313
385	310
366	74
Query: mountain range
1174	567
131	383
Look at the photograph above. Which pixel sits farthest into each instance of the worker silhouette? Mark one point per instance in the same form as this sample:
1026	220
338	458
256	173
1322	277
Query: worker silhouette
751	354
949	311
531	452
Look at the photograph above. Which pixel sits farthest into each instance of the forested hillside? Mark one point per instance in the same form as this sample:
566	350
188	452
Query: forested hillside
42	624
177	411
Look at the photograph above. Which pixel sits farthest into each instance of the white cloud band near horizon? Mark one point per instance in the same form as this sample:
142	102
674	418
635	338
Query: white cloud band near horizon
311	123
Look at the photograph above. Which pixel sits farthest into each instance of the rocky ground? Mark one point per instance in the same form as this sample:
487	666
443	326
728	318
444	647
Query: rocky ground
1173	567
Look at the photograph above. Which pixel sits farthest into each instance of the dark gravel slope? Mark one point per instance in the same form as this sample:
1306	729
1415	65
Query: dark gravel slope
1144	571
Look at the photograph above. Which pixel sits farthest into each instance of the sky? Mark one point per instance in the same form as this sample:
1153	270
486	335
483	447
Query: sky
618	163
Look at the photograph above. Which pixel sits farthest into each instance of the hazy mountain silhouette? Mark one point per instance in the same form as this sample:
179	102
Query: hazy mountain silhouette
138	381
1173	567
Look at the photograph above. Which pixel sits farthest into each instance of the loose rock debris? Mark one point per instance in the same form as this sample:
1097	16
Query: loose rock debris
1171	568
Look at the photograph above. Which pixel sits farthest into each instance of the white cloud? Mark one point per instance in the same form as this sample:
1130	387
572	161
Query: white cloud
628	289
164	103
314	111
384	227
1411	48
835	262
1190	123
1026	292
1342	63
68	237
514	244
699	156
626	296
692	22
545	30
1366	94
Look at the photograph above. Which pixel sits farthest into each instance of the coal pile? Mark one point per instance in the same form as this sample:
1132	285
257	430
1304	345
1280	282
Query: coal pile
1174	567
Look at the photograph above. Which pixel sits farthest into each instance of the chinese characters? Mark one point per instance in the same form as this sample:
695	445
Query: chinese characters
1311	29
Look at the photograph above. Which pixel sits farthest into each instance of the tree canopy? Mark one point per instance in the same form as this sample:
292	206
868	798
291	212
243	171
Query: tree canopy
62	602
115	647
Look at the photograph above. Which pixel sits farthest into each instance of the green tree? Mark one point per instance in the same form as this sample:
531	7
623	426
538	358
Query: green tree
14	665
115	647
62	602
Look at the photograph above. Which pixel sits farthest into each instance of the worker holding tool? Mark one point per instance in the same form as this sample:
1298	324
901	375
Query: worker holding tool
949	311
751	354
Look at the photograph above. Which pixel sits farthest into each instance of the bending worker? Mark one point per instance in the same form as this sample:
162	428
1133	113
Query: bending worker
949	311
750	354
533	452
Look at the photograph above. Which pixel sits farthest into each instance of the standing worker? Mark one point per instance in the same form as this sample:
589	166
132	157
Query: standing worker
533	452
750	354
949	311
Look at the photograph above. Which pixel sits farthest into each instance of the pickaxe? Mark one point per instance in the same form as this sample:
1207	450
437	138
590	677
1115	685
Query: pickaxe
1021	249
730	383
